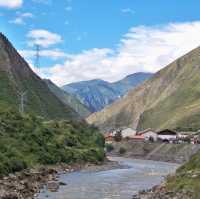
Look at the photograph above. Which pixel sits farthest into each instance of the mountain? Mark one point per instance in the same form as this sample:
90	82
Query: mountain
130	82
97	94
16	77
170	99
68	99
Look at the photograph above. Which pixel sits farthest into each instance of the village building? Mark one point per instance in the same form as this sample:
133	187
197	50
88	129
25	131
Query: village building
149	135
128	133
109	139
183	135
137	138
167	135
195	138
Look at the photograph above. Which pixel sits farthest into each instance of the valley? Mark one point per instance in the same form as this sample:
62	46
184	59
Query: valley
99	99
38	132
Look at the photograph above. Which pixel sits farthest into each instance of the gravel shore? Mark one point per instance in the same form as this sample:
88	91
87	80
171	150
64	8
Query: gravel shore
27	184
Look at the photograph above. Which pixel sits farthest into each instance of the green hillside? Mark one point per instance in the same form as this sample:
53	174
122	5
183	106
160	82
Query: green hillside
68	99
27	141
17	77
186	182
180	108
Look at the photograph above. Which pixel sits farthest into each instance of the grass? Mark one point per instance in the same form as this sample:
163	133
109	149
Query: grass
187	179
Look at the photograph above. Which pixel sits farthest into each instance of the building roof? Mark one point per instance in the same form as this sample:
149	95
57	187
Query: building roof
128	132
137	137
145	131
167	132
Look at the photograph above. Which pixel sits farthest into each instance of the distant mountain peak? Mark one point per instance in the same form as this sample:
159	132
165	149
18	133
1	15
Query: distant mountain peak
97	93
138	74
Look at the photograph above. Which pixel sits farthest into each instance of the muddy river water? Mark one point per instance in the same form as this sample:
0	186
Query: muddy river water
120	183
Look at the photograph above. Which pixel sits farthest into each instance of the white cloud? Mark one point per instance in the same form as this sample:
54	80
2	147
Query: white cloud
143	48
20	19
43	1
77	67
12	4
43	38
53	54
27	14
128	10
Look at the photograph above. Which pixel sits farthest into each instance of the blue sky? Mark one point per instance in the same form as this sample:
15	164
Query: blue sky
100	38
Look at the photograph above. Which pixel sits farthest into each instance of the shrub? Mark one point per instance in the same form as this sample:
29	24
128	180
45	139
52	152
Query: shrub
122	150
26	141
109	147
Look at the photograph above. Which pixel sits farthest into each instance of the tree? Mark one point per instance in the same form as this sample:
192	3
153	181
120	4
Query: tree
122	150
118	136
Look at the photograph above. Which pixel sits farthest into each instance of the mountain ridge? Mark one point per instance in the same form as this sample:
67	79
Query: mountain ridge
159	102
97	94
16	77
68	99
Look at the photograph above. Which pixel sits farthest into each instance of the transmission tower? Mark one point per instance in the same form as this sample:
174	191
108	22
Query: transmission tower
37	56
22	96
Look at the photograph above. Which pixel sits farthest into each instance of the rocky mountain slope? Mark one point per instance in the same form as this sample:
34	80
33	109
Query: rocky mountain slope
97	94
17	77
170	99
68	99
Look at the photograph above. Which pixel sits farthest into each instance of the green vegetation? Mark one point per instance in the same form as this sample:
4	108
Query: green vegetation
122	150
187	179
109	147
68	99
27	141
39	99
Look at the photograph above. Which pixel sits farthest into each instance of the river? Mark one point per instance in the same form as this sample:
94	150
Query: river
120	183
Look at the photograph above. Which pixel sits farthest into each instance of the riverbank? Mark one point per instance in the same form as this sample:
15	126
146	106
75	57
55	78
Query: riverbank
184	184
165	152
28	183
162	192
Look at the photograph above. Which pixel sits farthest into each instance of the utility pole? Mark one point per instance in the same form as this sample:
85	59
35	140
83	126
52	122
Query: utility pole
22	96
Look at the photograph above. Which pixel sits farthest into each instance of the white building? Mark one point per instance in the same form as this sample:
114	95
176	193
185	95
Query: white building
149	134
167	135
128	132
